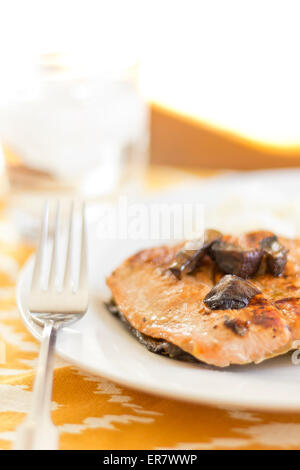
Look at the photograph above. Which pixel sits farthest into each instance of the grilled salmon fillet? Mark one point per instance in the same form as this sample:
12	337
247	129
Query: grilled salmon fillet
161	306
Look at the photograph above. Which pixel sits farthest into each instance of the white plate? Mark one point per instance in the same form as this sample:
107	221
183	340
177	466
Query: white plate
101	345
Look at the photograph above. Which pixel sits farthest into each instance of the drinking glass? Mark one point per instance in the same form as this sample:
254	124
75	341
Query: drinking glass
68	133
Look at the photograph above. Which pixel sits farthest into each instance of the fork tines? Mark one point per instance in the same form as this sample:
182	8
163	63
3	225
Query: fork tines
50	292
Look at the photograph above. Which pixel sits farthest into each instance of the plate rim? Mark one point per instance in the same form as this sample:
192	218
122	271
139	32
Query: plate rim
136	384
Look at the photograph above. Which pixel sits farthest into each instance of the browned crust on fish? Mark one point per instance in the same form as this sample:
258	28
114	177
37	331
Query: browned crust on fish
161	306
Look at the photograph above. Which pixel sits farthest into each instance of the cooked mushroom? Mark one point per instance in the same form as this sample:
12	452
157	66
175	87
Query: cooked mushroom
233	259
276	255
231	292
188	259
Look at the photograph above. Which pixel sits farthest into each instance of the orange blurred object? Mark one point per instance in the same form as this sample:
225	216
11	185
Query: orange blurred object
183	141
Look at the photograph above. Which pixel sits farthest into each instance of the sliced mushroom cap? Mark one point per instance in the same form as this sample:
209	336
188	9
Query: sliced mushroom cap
276	255
232	259
188	259
231	292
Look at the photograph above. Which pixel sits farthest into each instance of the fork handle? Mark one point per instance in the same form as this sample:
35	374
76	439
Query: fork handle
38	431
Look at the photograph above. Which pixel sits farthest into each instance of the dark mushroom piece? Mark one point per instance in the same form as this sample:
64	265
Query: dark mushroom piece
276	255
188	259
233	259
231	292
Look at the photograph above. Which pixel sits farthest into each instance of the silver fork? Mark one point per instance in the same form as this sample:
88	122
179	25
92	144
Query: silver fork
52	307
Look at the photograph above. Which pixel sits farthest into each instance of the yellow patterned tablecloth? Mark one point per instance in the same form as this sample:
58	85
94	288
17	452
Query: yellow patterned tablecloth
93	413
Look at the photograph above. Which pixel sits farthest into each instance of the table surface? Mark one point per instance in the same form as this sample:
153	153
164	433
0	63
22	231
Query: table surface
94	413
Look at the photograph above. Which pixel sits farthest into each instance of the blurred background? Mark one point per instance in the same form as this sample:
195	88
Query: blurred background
92	91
